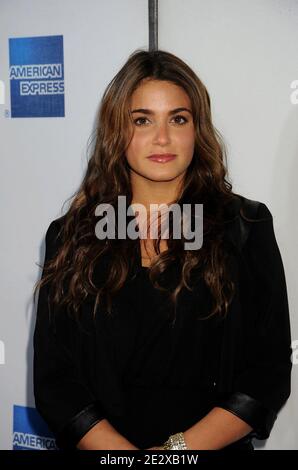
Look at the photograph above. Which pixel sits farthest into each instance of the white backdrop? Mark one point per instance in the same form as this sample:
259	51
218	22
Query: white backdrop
245	53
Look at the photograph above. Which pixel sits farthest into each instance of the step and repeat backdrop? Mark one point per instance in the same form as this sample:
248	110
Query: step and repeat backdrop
56	58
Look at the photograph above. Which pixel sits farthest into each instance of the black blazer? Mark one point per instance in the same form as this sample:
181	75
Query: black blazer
76	384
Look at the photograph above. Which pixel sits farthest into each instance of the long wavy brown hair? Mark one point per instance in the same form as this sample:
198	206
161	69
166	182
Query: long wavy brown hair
70	273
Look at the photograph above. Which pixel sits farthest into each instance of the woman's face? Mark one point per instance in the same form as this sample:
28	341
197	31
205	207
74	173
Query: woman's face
159	130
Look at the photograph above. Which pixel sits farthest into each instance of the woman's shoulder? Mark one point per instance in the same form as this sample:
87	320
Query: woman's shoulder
55	225
247	209
244	218
53	235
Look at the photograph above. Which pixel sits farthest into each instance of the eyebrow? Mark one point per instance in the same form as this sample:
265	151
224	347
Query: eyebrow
150	112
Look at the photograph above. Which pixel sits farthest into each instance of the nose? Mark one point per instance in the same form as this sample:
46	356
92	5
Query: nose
162	135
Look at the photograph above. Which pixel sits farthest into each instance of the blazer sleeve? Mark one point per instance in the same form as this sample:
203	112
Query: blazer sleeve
62	397
264	383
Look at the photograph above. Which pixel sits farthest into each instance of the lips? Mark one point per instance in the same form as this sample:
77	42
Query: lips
162	158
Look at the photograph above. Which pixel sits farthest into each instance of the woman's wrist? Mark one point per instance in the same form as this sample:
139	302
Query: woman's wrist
175	442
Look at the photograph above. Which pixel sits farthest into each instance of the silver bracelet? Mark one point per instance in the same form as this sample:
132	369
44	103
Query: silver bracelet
175	442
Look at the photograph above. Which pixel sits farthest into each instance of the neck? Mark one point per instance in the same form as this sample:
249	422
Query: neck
148	192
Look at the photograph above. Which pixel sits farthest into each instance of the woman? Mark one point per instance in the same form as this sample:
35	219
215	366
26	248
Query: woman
139	342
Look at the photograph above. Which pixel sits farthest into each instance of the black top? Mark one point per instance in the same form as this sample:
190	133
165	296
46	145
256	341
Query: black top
169	381
151	378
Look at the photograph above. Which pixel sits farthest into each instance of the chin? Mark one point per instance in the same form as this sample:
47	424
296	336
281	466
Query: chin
161	176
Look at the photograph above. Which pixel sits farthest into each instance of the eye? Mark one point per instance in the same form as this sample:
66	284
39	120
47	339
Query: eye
181	117
176	117
138	119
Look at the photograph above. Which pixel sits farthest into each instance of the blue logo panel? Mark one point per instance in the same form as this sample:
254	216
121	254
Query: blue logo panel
30	432
36	69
